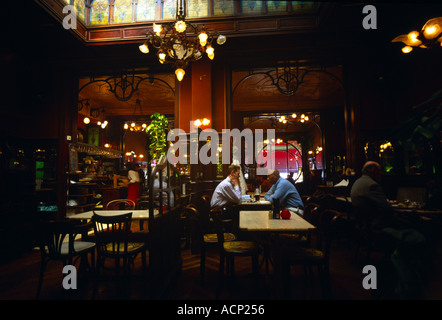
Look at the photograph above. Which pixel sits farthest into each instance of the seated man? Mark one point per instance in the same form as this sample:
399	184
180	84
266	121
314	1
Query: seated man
285	191
228	191
398	237
371	203
368	197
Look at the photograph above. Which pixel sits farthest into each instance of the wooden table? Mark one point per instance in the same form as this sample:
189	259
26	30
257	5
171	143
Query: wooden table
418	212
261	204
260	222
136	214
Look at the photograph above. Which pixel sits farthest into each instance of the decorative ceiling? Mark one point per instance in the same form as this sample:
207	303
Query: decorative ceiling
118	94
118	98
230	17
310	88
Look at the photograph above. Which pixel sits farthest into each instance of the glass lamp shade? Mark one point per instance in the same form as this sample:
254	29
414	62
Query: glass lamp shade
203	38
180	26
144	48
221	39
407	49
161	56
179	74
210	52
86	120
432	28
157	28
413	38
409	39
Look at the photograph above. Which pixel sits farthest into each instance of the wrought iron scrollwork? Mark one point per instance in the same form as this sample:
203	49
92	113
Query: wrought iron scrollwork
123	86
288	78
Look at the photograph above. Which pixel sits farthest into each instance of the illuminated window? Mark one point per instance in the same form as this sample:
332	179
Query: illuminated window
197	8
100	12
146	10
80	8
223	7
276	6
303	5
169	9
123	11
287	157
251	6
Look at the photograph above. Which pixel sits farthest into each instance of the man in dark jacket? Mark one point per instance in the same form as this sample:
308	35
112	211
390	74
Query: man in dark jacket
369	199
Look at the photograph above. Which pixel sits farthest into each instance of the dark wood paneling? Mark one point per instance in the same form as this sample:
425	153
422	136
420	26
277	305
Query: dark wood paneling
105	35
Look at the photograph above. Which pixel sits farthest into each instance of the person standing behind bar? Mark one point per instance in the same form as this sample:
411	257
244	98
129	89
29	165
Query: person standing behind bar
285	191
133	190
228	191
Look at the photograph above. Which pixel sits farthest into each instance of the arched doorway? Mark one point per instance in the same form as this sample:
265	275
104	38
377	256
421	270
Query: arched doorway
126	101
302	104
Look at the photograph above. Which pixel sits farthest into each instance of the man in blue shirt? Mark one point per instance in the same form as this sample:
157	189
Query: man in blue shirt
285	191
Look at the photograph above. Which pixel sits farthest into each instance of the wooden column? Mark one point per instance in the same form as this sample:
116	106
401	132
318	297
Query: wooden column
201	94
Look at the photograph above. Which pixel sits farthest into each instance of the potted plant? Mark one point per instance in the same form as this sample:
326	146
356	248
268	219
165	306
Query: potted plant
157	136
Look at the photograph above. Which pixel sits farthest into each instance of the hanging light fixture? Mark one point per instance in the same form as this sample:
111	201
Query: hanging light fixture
134	125
180	42
430	36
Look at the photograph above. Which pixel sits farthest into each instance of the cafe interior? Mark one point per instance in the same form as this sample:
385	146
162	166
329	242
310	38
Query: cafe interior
92	86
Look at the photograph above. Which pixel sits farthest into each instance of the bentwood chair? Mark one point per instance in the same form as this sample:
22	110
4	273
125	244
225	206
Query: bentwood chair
120	204
204	232
319	256
142	205
58	243
312	212
113	241
228	250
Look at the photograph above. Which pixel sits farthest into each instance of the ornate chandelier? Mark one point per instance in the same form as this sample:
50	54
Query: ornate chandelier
179	43
429	36
134	125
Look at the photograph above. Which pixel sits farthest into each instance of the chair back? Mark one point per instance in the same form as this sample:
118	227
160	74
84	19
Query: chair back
112	233
121	204
204	214
191	212
143	205
327	226
216	215
312	213
53	235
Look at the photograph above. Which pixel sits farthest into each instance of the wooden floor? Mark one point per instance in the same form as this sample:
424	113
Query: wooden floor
19	279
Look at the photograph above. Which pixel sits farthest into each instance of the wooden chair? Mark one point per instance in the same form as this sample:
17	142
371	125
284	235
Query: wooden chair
120	204
113	241
204	233
142	205
319	256
363	236
57	243
206	199
312	212
228	250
